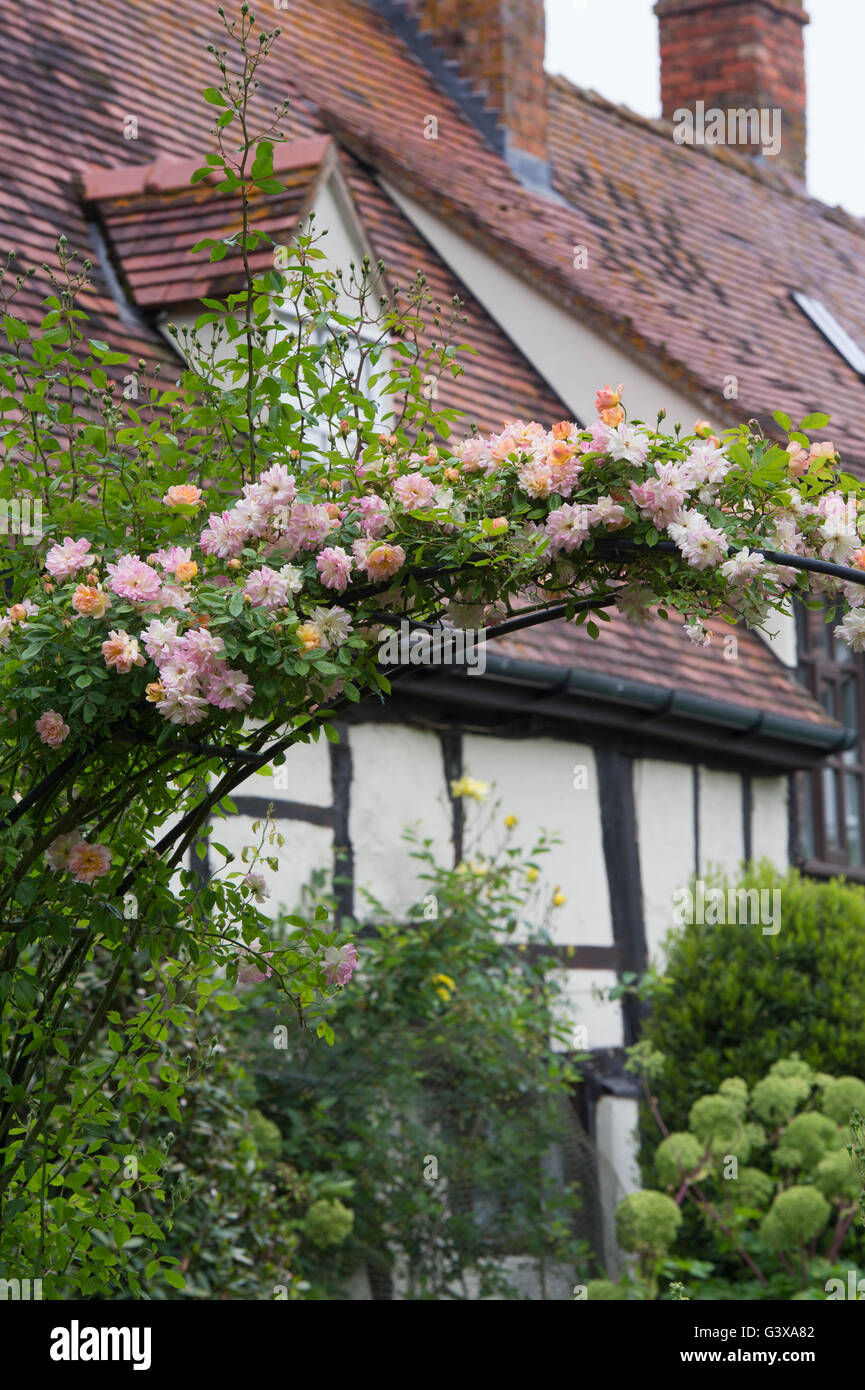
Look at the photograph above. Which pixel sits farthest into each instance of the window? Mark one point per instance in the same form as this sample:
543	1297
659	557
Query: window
346	366
831	819
832	331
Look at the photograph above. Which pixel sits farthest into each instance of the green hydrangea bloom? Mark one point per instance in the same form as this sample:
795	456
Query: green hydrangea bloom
676	1155
603	1289
793	1066
714	1118
836	1176
736	1091
841	1097
806	1140
755	1134
328	1222
266	1135
752	1188
647	1221
775	1098
795	1218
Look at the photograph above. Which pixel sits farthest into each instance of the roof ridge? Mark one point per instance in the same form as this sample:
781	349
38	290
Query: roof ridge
739	163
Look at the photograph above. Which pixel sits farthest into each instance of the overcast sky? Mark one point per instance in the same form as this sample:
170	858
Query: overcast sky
612	46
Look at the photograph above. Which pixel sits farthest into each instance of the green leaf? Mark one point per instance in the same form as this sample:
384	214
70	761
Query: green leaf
783	420
817	421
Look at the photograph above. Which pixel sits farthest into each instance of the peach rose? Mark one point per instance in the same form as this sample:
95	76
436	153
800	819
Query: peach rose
607	399
183	495
91	601
87	862
800	461
309	636
51	728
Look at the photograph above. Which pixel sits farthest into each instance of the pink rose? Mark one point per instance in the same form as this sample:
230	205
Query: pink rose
51	728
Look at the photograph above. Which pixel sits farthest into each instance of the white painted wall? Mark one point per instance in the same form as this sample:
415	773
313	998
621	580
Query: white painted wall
663	793
582	1005
306	849
304	776
770	820
615	1129
534	780
721	822
397	780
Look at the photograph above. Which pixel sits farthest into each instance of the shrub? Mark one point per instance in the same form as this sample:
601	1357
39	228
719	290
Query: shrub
771	1214
732	1000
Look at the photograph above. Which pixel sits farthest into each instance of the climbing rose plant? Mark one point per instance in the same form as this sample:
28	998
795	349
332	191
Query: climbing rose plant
218	559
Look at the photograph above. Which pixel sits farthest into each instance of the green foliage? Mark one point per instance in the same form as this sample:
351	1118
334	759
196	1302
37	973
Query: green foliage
328	1222
767	1216
733	1000
795	1218
647	1222
442	1102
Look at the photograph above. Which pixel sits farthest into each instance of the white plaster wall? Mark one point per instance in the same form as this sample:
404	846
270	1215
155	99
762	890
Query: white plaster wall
397	780
306	849
780	637
770	820
581	1006
534	780
663	793
573	359
304	776
615	1127
721	822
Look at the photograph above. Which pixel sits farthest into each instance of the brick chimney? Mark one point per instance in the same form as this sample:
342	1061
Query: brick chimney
743	56
498	47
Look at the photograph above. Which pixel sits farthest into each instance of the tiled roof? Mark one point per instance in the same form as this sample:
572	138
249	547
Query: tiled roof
153	219
659	653
692	256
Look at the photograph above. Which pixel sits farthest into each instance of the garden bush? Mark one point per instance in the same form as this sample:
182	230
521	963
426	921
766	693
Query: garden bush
769	1174
732	1000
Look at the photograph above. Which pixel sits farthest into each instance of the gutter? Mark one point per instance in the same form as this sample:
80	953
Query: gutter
638	710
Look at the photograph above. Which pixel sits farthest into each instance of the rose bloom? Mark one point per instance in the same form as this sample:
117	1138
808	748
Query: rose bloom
606	398
183	495
121	651
185	571
309	636
57	853
334	566
414	491
800	460
88	862
134	580
340	964
379	561
65	560
51	728
91	601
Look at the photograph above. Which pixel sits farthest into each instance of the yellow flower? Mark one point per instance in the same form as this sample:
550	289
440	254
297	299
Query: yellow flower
532	875
467	786
443	985
511	821
559	899
309	636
